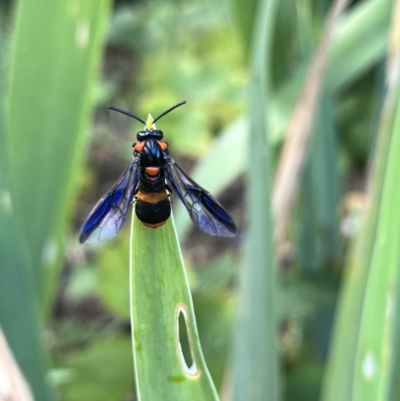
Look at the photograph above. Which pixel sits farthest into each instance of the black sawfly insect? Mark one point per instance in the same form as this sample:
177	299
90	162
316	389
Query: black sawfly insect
148	181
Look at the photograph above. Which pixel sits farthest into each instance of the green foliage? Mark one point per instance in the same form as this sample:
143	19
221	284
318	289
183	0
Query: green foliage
91	374
344	68
214	86
160	296
255	357
304	384
53	53
361	356
241	66
19	317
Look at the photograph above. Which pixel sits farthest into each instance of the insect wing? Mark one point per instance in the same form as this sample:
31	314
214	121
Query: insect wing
108	215
204	210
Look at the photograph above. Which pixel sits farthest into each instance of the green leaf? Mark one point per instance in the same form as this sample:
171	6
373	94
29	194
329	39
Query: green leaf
362	359
377	331
255	357
214	306
160	305
19	317
318	240
54	55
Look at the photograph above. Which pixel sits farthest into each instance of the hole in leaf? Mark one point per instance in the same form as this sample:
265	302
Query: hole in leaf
183	341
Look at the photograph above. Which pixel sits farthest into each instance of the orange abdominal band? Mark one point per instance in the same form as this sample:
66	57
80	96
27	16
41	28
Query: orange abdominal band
154	225
155	197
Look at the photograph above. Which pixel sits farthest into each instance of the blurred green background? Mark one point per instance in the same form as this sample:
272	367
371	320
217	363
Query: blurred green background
64	308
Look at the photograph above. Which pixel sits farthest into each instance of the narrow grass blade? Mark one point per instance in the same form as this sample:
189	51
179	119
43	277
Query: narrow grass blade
255	357
378	333
19	317
318	241
245	12
54	55
362	360
162	315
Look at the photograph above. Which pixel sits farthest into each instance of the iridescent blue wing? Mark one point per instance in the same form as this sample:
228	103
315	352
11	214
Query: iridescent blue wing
107	216
204	210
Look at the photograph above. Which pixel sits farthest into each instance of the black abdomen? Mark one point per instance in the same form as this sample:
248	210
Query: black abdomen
152	214
153	207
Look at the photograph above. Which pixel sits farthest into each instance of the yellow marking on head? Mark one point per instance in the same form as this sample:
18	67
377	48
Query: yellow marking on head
149	122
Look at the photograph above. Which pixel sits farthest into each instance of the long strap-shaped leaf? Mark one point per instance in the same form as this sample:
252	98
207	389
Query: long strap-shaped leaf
255	358
160	305
19	317
363	363
55	52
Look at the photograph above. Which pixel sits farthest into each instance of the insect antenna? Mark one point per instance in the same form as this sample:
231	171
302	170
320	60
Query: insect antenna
127	113
170	109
